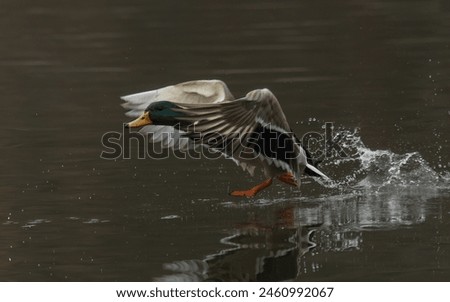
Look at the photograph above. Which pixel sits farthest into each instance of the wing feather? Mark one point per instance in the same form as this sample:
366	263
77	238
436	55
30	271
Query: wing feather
193	92
230	126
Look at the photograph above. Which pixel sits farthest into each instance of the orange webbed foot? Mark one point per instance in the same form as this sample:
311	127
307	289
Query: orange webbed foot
246	193
289	179
253	191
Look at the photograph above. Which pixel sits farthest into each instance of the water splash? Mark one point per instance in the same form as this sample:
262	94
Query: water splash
380	170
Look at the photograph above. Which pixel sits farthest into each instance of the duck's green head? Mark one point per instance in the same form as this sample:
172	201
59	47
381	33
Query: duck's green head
157	113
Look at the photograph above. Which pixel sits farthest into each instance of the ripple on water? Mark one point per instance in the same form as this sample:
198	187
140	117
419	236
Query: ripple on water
35	222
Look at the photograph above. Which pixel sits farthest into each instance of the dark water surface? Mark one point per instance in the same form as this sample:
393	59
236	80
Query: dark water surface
379	70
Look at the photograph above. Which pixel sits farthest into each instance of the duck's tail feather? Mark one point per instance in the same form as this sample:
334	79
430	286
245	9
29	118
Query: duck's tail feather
313	171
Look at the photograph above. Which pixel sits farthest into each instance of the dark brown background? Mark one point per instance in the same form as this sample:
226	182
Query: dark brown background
66	214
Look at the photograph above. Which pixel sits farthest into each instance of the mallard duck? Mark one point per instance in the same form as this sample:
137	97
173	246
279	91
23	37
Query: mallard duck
252	131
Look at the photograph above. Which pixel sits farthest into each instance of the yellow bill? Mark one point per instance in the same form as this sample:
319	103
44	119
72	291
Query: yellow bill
141	121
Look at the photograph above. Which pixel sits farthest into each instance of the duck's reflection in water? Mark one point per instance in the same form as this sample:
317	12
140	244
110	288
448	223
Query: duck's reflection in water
261	250
256	252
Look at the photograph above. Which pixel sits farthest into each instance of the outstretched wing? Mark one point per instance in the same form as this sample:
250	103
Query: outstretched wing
249	129
193	92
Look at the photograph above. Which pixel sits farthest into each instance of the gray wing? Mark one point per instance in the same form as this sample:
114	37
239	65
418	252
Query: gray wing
249	130
193	92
